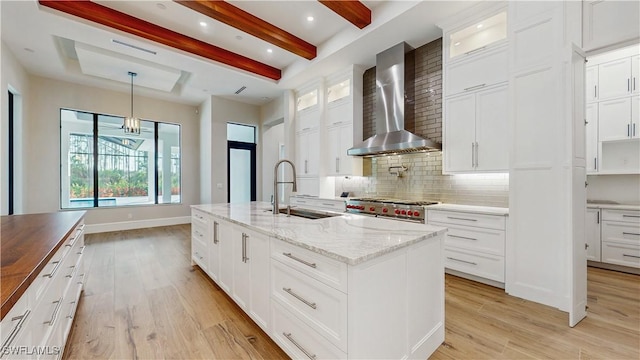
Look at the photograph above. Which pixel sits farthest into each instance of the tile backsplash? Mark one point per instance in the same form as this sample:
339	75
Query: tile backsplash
423	180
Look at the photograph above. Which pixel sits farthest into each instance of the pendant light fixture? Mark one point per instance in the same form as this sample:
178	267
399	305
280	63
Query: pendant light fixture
131	123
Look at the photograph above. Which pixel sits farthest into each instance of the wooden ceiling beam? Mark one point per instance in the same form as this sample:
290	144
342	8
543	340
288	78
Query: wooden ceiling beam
233	16
120	21
352	10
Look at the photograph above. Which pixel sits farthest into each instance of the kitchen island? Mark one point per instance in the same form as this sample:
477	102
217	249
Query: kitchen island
345	286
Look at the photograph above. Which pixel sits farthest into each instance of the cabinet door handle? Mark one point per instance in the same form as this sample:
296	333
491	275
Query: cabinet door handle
598	217
595	91
631	256
305	301
631	216
477	154
313	265
16	329
73	310
306	168
634	83
305	351
595	163
461	237
55	269
462	261
73	272
474	50
628	233
628	84
473	152
244	247
628	130
215	232
81	250
459	218
475	87
55	312
634	129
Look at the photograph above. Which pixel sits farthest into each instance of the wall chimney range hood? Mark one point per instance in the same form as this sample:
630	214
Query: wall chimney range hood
395	116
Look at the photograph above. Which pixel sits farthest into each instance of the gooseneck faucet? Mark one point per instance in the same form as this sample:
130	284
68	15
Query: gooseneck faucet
276	209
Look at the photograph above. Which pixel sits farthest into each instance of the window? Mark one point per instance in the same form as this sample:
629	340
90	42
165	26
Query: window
101	166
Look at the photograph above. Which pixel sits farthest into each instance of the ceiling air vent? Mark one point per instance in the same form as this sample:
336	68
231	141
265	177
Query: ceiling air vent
240	90
133	46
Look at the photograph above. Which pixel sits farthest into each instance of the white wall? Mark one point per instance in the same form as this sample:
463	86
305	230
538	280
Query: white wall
14	78
223	111
42	155
624	189
272	120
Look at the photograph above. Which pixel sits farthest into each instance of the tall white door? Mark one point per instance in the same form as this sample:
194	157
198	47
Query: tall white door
459	133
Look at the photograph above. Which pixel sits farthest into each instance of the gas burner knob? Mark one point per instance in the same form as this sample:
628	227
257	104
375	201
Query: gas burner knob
415	213
361	207
404	212
397	212
384	210
372	208
410	213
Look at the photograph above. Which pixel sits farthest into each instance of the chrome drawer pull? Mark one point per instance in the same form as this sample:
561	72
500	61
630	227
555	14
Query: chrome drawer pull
633	216
81	250
55	269
475	87
215	232
73	272
632	256
461	237
305	301
288	336
458	218
55	312
474	50
313	265
16	329
628	233
463	261
73	311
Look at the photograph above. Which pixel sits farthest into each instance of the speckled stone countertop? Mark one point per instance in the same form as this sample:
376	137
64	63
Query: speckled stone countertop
349	238
487	210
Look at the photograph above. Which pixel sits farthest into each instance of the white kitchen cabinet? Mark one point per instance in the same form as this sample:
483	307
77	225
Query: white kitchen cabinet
591	156
472	123
214	252
609	22
340	139
591	83
477	72
241	288
200	238
614	119
474	245
614	78
592	233
480	34
621	237
307	153
225	243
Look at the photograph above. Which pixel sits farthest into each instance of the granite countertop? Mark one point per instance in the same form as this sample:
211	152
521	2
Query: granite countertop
349	238
487	210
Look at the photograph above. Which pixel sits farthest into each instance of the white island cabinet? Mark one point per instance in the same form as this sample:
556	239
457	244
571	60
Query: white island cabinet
343	287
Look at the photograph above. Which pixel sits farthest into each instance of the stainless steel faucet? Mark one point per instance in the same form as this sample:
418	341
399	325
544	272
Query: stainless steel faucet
276	182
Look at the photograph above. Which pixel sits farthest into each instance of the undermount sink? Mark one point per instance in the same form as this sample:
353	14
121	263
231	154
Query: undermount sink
308	214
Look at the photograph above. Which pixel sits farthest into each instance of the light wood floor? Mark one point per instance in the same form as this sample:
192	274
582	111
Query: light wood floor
143	299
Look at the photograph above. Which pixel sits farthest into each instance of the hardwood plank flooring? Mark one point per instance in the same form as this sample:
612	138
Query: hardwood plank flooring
144	300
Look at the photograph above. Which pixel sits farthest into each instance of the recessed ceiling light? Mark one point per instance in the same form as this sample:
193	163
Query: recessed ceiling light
269	51
161	6
479	26
309	18
456	44
203	24
238	37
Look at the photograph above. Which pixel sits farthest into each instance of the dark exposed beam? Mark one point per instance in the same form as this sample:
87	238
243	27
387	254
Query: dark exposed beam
114	19
354	11
233	16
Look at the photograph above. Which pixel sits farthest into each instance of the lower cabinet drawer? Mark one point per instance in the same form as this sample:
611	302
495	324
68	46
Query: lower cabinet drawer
483	265
316	304
619	232
474	239
621	254
621	215
198	253
297	339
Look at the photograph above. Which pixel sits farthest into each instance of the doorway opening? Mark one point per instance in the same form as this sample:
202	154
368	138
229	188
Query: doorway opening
241	164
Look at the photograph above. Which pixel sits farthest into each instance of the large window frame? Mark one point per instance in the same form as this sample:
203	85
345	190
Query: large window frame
154	186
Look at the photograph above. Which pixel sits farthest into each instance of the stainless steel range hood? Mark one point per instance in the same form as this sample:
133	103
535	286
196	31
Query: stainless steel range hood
395	79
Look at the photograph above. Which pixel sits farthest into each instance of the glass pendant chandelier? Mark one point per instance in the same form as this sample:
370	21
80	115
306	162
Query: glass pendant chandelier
131	123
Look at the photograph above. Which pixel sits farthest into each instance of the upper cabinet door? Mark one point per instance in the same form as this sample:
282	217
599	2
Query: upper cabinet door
614	78
614	119
635	117
609	22
492	147
459	134
476	73
591	83
635	74
591	114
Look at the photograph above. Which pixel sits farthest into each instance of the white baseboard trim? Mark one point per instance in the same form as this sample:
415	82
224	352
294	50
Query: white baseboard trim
138	224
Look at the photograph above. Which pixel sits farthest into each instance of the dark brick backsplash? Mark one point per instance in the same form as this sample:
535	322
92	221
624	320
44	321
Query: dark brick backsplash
428	93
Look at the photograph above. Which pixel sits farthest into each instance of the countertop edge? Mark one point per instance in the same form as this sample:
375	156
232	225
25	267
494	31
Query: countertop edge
12	299
613	206
474	209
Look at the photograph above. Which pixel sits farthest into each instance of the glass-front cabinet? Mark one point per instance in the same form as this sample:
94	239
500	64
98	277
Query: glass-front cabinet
478	36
